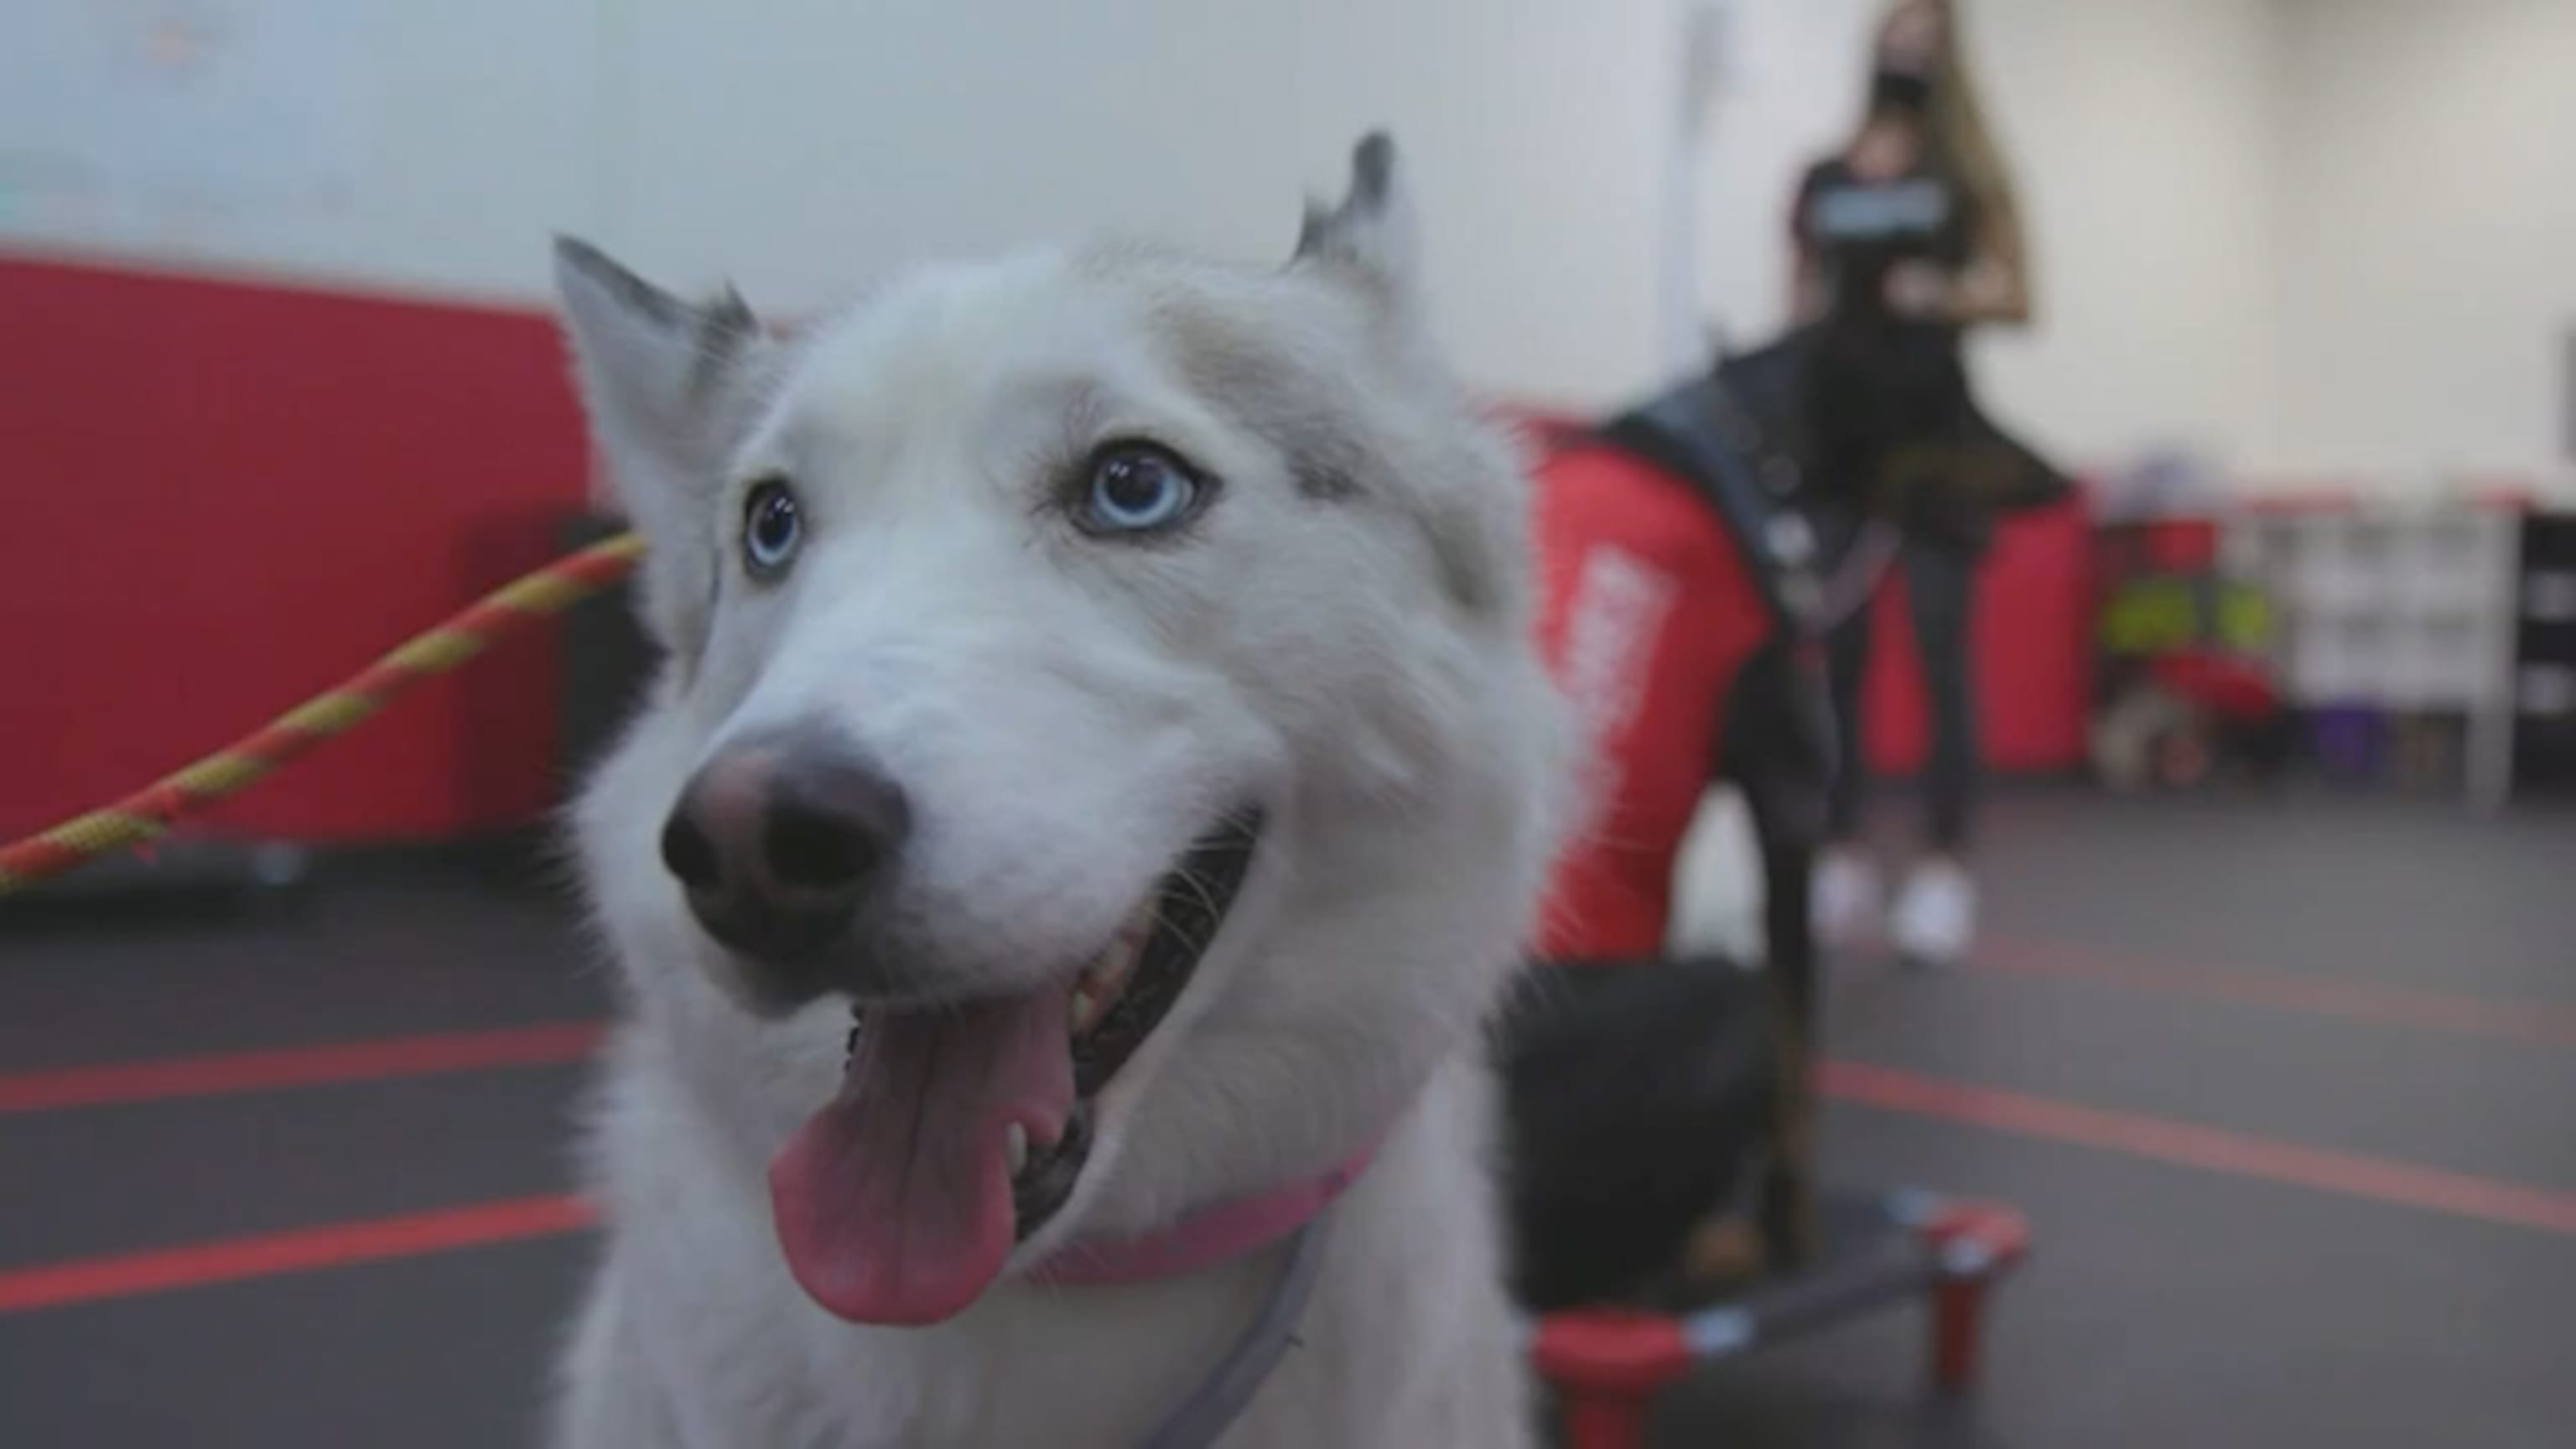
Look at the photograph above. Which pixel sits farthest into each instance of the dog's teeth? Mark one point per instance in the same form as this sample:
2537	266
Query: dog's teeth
1090	998
1106	976
1015	1149
1110	972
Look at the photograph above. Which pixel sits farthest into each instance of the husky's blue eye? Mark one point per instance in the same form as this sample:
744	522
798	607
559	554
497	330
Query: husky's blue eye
772	527
1137	488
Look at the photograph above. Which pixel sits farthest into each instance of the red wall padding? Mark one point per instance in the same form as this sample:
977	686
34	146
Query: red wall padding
218	497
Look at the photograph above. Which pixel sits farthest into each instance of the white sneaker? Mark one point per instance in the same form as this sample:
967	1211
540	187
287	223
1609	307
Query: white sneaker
1846	898
1935	918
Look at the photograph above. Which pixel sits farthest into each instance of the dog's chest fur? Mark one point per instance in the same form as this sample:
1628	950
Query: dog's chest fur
706	1344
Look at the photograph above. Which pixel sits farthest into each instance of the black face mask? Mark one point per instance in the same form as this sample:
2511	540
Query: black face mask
1901	90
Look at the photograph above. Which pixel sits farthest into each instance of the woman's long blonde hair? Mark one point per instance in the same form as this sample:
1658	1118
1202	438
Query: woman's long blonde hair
1966	143
1960	131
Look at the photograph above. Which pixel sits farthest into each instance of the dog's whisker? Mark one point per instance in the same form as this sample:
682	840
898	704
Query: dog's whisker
1199	886
1163	922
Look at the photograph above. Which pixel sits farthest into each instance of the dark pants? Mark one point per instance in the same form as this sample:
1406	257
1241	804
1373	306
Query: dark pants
1939	582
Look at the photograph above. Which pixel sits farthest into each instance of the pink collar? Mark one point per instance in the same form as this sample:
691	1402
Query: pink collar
1205	1238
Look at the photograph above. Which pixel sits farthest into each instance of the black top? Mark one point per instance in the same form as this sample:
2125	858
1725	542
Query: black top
1878	384
1860	230
1875	385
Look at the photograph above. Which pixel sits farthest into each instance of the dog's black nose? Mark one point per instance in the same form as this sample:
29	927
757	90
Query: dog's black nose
778	839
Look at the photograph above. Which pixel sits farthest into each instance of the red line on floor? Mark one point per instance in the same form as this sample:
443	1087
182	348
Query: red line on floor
338	1245
2531	1023
2209	1149
311	1066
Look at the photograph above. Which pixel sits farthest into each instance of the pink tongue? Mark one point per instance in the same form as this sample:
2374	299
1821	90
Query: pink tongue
894	1203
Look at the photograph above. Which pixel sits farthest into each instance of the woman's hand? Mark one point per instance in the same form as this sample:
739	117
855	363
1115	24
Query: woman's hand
1918	290
1986	293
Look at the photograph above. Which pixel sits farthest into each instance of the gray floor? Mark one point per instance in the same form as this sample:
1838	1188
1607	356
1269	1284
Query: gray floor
2167	1305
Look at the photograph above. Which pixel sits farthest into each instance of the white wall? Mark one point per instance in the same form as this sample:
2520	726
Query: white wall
425	145
2138	128
2427	268
807	146
834	142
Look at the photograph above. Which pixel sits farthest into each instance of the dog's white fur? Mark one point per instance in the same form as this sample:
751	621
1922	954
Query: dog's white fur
1341	638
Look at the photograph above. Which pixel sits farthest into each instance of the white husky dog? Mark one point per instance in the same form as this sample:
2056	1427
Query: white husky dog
1096	789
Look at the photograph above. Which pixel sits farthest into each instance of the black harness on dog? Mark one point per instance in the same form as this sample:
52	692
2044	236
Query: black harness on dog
1643	1091
1778	739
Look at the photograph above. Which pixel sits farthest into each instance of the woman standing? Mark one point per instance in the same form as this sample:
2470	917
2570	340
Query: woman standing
1907	238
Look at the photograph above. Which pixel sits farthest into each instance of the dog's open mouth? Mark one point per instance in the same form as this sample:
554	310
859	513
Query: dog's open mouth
961	1128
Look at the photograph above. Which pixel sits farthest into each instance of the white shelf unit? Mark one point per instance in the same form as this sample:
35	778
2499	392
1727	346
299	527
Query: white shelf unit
2403	608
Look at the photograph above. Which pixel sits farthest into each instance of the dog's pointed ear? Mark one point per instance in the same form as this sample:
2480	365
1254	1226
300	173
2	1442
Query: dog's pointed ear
654	370
1371	235
670	388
